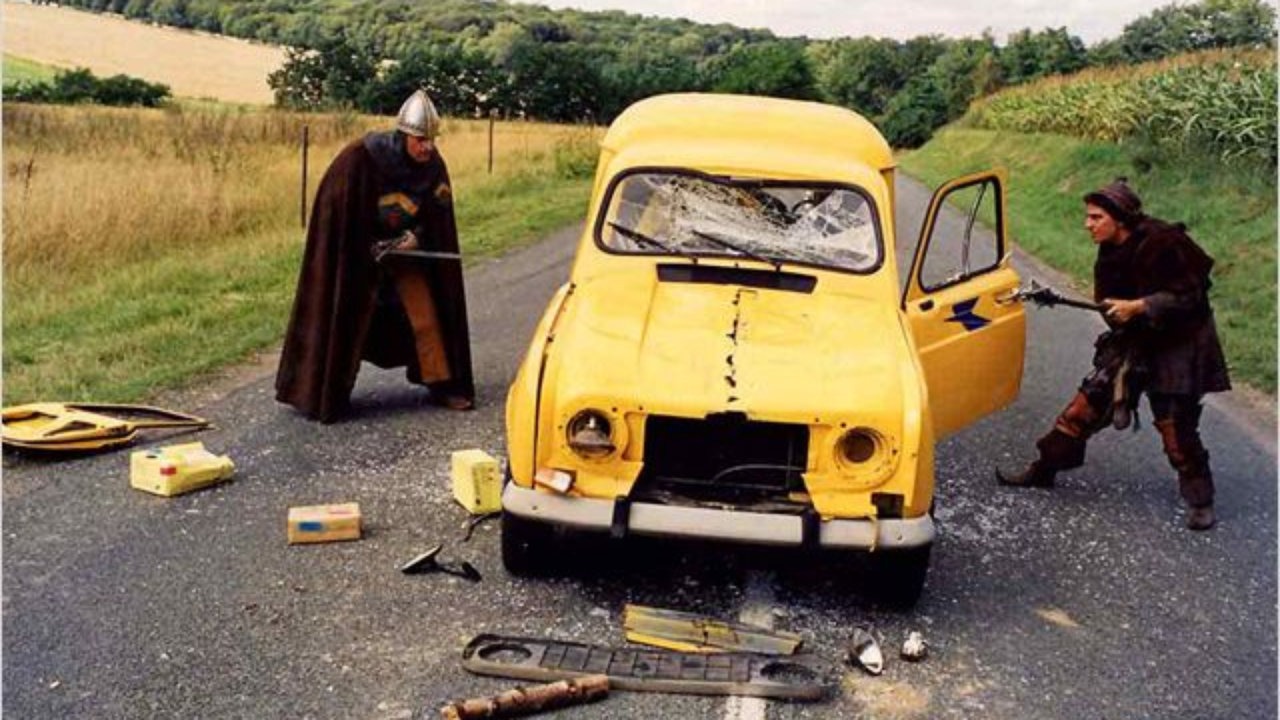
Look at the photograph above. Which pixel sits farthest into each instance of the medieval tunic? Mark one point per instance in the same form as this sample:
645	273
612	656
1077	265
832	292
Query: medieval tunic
348	306
1177	337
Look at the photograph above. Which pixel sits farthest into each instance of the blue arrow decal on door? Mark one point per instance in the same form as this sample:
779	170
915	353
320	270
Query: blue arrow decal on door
963	313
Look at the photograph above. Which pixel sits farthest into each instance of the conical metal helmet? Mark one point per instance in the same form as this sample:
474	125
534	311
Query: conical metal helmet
418	116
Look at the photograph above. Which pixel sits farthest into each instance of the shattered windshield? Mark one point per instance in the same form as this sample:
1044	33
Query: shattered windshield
664	212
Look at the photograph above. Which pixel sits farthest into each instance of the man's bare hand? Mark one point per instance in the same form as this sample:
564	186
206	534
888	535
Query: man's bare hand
1122	311
408	241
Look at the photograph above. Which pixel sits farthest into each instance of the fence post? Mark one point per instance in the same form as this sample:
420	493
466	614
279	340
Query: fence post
492	114
303	212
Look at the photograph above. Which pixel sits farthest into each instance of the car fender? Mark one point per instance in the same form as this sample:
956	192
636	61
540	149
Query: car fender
917	428
525	395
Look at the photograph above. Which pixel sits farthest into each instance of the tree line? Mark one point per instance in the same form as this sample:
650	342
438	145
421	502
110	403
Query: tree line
477	57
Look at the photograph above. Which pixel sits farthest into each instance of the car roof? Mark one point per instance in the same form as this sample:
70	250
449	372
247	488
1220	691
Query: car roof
756	132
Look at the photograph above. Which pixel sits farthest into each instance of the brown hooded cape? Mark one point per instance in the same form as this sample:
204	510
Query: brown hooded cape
347	308
1162	265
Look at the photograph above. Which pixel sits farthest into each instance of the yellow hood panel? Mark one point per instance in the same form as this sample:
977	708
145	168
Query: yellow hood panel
690	349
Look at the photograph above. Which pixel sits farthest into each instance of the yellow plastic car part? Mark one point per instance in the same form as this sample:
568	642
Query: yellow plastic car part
85	426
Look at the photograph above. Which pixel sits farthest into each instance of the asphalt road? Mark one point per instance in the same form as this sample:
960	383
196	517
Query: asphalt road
1087	601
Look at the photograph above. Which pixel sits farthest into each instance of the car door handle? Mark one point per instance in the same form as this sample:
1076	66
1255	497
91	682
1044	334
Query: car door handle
1007	297
926	306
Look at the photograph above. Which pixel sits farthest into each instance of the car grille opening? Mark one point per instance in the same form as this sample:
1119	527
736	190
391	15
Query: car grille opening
723	458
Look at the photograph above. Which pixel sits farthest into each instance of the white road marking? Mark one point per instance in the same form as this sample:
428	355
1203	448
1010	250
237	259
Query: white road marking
757	609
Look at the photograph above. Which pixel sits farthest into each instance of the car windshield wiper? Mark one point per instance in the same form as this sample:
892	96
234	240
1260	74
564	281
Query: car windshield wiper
643	239
777	266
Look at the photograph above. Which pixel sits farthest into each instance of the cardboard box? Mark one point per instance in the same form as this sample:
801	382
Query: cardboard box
324	523
177	469
477	481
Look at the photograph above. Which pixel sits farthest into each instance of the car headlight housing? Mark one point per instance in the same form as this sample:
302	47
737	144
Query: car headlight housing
590	434
865	456
858	446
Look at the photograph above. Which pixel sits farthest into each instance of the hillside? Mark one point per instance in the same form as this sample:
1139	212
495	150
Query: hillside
191	64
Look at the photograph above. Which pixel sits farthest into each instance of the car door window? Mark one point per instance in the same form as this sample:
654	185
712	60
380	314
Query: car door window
965	241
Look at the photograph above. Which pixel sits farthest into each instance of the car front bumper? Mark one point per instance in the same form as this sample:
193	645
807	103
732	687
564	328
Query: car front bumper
713	523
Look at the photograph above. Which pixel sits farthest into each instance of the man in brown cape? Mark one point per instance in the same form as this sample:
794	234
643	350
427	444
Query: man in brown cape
1153	281
357	301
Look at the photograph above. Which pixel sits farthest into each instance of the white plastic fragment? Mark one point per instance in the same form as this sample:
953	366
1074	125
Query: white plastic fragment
914	648
864	651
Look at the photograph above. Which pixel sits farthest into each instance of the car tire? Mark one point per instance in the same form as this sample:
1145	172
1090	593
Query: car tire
525	543
897	576
526	546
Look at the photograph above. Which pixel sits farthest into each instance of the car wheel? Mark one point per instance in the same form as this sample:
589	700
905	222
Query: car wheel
526	546
897	576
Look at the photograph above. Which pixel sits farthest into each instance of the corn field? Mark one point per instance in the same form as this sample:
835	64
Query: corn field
1222	103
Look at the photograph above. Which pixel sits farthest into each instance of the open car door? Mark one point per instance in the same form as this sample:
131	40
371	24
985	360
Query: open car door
969	329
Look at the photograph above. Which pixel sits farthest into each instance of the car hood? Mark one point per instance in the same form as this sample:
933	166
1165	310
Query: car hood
690	349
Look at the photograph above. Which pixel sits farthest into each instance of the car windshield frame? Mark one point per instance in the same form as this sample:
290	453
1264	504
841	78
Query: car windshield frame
689	254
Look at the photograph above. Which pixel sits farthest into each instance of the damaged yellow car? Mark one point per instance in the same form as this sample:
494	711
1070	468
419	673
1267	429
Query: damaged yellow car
735	358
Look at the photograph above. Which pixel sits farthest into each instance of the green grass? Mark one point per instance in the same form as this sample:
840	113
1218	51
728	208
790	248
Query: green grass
17	70
1230	210
140	328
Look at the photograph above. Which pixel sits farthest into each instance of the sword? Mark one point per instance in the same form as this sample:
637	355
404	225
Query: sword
423	254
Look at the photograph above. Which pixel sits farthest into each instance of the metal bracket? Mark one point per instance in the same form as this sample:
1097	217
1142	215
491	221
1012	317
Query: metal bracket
618	527
810	528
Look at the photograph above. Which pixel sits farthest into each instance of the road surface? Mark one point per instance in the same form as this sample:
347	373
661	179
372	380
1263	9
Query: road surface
1090	600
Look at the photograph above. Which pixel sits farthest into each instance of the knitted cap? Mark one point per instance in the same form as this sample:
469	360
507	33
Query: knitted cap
1119	200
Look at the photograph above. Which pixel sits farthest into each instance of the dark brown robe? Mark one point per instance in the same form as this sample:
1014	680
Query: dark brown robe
1177	336
347	307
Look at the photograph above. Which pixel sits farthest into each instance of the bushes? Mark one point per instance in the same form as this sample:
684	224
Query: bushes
81	86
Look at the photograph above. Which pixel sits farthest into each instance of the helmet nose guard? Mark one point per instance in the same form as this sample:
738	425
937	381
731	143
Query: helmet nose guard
418	116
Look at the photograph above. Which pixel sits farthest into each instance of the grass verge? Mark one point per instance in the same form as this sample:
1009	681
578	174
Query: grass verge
1230	210
146	327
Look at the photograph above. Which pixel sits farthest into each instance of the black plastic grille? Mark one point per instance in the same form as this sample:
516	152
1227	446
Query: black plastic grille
723	456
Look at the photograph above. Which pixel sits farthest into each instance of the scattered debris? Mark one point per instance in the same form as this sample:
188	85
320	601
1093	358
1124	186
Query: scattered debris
324	523
526	701
864	652
85	427
477	481
1057	617
177	469
427	563
470	525
645	670
687	632
914	648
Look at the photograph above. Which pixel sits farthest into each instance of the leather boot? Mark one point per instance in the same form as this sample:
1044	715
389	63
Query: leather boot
1037	474
1201	518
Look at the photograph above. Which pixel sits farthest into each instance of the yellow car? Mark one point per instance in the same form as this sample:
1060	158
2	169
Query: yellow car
734	357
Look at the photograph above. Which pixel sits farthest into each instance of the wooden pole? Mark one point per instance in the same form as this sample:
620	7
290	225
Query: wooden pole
525	701
492	115
303	208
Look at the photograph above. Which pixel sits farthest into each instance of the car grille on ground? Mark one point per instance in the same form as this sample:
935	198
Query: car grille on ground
723	457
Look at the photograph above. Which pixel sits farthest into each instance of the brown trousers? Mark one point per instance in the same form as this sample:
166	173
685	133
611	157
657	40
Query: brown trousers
1176	417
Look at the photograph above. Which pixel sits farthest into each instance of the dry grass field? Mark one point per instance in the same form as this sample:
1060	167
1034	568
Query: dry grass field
143	247
191	64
